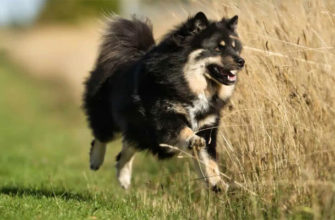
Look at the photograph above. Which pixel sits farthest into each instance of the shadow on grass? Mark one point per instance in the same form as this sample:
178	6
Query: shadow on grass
40	193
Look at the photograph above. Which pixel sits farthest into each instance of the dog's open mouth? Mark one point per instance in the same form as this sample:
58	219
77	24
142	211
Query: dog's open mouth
221	75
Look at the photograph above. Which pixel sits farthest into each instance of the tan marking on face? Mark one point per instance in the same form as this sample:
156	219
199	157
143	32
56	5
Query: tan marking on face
233	44
223	43
209	120
194	71
213	60
228	59
233	37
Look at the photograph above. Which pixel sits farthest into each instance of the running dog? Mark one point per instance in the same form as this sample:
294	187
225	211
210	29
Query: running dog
165	94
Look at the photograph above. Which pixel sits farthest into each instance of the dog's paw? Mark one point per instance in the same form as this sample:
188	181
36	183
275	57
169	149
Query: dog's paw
95	165
220	187
124	182
124	177
197	143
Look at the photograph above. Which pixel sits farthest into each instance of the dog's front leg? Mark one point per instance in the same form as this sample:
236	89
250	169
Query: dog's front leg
175	132
203	147
206	161
208	170
188	139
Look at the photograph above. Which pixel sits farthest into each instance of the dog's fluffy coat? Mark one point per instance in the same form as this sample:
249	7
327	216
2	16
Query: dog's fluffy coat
170	93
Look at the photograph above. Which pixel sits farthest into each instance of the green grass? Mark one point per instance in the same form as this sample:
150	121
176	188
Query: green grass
44	163
44	170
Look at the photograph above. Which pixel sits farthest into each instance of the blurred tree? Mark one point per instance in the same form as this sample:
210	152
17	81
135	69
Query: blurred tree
75	10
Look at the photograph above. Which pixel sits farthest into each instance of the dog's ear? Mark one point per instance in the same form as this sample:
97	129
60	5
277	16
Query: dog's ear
192	26
197	23
232	23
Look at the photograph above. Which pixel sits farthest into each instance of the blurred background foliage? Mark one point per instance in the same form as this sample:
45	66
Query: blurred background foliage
18	13
73	10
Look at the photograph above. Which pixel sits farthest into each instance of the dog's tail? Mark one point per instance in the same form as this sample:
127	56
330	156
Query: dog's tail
124	42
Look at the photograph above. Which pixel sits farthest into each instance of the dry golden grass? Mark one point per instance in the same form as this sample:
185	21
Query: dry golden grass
278	133
277	139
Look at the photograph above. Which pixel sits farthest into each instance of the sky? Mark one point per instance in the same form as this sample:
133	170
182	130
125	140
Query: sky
19	11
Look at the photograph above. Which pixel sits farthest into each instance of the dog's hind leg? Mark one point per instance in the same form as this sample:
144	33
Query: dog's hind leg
124	162
97	154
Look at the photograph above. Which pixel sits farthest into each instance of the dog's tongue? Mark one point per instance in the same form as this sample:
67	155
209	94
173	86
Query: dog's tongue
220	72
231	77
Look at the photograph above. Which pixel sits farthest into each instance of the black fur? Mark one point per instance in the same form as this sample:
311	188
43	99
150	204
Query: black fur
124	43
139	88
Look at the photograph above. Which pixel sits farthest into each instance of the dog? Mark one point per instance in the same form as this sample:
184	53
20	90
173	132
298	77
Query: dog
165	94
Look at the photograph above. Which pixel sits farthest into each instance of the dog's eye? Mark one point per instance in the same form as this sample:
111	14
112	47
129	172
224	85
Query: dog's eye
221	46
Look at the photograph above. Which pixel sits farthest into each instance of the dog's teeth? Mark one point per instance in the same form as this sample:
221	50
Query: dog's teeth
233	72
232	78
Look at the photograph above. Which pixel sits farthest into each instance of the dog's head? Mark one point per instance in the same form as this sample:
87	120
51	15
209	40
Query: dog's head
213	47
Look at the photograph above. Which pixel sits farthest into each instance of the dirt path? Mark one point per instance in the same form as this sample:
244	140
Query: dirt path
57	52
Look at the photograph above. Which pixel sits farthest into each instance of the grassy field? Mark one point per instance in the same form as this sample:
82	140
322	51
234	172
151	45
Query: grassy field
44	164
277	139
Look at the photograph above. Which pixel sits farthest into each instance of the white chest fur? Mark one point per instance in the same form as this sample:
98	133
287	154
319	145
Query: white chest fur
201	104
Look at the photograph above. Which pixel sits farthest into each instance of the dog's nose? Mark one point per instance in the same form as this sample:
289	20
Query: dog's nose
240	61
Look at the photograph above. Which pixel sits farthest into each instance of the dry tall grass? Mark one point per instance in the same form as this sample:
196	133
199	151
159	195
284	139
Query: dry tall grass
277	138
278	133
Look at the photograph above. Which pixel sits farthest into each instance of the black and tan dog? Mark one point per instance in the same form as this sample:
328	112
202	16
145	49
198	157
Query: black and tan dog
167	93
